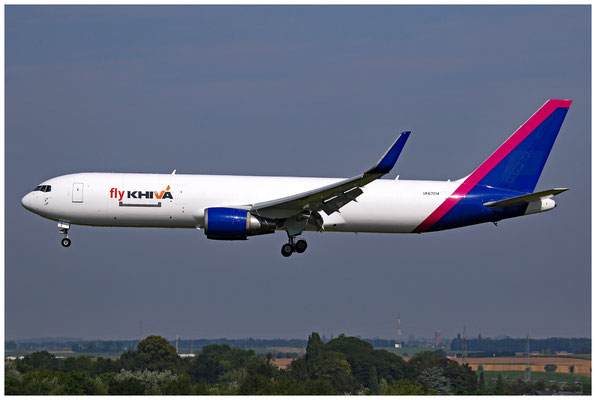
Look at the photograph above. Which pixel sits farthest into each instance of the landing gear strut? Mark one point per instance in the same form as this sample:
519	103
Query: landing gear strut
291	247
64	227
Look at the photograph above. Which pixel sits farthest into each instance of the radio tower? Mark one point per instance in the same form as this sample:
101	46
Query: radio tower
464	348
399	329
528	372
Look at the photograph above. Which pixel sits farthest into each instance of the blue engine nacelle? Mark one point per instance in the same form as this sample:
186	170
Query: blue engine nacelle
222	223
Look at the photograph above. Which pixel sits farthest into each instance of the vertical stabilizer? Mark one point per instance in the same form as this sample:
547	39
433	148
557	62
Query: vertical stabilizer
514	167
518	163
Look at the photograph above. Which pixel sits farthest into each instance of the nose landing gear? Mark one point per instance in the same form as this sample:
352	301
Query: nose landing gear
291	247
64	227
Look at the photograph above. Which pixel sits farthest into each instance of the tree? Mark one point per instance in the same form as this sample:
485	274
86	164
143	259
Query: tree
500	385
256	385
461	378
12	379
130	386
40	360
101	366
550	367
540	385
361	356
319	387
40	382
217	361
481	382
286	385
178	386
373	382
434	379
157	354
77	382
332	367
298	371
313	353
404	388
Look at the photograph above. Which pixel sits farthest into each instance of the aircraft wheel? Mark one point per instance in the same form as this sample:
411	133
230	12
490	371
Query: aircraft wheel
287	250
301	246
65	242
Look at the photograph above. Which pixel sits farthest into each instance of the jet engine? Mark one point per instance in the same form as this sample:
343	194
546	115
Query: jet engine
223	223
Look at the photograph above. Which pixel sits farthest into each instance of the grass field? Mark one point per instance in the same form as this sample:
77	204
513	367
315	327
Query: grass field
535	376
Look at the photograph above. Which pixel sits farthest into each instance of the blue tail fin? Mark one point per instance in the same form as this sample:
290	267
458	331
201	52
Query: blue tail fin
518	163
513	167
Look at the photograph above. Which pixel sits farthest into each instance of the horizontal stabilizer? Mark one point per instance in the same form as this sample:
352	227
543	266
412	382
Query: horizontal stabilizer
526	198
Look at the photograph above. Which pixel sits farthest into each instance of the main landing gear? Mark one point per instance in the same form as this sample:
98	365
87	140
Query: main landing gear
291	247
64	227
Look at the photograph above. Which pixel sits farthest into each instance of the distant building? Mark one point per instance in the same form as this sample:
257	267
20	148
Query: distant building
397	345
438	339
523	354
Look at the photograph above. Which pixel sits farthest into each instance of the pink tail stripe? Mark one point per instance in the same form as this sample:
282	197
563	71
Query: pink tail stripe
495	158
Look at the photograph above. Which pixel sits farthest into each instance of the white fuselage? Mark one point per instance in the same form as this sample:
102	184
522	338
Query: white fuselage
112	199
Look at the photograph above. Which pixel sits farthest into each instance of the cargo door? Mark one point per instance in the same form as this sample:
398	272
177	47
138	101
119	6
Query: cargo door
77	192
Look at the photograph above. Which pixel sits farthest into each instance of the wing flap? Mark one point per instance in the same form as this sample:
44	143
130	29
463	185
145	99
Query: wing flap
335	203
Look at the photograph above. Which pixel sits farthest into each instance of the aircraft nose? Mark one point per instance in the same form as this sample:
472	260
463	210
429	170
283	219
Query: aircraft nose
26	201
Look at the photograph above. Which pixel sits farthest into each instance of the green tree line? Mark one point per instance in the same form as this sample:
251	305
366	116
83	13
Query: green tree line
345	365
510	345
120	346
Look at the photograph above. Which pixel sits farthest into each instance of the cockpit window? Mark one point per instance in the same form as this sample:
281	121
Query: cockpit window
37	188
43	188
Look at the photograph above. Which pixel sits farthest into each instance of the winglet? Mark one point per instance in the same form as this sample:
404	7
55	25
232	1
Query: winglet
388	160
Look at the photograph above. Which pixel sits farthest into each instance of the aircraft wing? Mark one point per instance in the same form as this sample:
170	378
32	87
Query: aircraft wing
526	198
332	197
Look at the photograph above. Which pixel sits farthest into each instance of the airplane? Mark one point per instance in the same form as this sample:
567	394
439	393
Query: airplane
236	207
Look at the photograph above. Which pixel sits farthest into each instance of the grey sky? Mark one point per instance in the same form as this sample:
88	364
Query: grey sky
300	91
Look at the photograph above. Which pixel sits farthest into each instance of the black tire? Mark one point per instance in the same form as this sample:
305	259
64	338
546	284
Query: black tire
287	250
301	246
65	242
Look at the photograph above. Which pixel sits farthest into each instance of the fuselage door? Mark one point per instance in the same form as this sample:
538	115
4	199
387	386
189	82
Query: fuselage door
77	192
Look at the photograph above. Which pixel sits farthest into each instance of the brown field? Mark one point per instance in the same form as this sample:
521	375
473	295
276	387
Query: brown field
281	363
581	366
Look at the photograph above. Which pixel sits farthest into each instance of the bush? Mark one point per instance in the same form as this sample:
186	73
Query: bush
550	367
